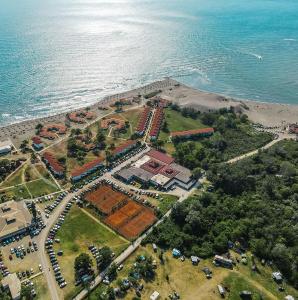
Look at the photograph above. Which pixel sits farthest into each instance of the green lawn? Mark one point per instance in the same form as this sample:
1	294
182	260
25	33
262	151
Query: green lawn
17	193
41	187
177	122
78	231
133	117
166	202
14	179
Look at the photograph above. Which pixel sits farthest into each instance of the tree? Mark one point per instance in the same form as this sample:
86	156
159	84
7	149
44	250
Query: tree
34	212
197	173
26	293
82	264
105	254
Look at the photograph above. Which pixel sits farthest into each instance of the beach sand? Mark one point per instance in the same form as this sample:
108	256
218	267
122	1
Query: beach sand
267	114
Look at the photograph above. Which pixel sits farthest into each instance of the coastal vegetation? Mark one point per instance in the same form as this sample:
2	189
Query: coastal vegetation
234	135
254	203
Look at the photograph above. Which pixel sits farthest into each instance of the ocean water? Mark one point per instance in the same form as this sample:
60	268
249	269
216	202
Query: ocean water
60	54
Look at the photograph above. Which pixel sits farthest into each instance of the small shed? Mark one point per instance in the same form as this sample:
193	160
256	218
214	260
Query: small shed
155	296
195	260
176	253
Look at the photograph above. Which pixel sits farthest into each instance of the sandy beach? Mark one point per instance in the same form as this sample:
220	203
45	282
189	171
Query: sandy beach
267	114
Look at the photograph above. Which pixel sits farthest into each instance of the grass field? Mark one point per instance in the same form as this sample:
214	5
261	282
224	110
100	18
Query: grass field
42	187
190	282
177	122
164	204
79	231
18	192
41	288
133	117
14	179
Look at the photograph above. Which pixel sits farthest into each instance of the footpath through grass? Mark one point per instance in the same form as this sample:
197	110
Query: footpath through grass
76	234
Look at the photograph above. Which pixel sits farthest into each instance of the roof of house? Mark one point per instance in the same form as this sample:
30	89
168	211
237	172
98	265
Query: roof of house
153	166
160	156
12	282
46	130
36	140
141	161
123	147
53	162
183	174
143	119
160	179
14	215
192	132
86	167
118	122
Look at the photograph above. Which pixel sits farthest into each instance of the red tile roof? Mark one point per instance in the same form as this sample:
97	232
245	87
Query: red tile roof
84	168
193	132
36	140
143	120
122	147
157	121
46	131
153	166
160	156
53	162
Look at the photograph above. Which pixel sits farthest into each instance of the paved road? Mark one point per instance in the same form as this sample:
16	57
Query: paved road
41	238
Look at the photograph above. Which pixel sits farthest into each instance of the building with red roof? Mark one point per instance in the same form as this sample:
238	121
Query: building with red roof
50	131
143	121
156	123
194	132
124	148
293	128
37	143
53	164
86	169
166	159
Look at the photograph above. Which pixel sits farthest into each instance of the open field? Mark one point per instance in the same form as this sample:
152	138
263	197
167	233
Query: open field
15	178
76	234
41	288
17	192
165	204
42	187
191	283
133	117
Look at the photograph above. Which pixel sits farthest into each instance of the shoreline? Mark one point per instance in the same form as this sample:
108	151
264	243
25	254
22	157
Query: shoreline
265	113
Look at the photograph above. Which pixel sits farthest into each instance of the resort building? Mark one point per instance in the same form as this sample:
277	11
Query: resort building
15	219
143	121
53	164
87	169
80	116
124	148
5	147
117	123
156	123
12	283
293	128
157	169
50	131
202	132
37	143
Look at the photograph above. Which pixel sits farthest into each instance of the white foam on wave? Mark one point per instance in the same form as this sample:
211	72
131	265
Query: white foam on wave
291	40
260	57
5	115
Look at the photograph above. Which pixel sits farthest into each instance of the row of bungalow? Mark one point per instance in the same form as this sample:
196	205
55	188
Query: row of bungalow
53	164
124	148
186	134
144	121
86	169
156	123
49	131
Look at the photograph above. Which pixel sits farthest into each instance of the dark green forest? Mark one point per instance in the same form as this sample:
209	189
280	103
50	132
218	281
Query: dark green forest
254	202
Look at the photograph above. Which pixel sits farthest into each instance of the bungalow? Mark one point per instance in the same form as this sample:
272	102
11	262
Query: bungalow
186	134
88	168
156	123
221	261
53	164
143	122
124	148
37	143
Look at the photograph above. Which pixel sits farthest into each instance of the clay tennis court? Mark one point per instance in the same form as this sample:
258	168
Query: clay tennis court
138	224
124	214
105	199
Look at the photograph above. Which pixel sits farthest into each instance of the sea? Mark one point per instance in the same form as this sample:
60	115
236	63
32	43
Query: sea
57	55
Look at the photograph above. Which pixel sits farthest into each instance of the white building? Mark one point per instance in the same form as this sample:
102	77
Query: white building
5	147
